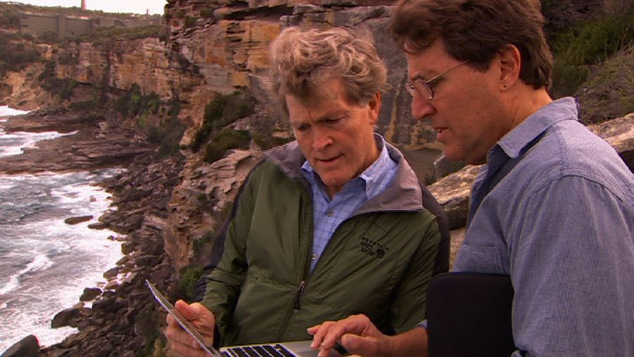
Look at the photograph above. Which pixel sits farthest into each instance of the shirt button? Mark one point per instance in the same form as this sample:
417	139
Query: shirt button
330	213
315	256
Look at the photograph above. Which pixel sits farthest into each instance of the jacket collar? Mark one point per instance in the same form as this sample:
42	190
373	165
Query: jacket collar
404	194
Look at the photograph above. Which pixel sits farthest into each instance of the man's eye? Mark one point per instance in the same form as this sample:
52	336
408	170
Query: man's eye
302	128
333	121
433	83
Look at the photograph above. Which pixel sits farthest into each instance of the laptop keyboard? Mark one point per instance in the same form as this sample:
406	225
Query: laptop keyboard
274	350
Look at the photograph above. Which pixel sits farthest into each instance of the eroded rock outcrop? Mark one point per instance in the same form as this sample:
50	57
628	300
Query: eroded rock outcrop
89	143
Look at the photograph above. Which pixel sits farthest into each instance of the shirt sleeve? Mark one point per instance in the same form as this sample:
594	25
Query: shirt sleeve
573	253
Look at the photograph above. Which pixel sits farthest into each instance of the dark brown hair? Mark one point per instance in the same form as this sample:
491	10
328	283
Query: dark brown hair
476	30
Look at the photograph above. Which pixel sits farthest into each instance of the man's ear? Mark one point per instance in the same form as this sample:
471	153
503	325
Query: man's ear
374	106
510	60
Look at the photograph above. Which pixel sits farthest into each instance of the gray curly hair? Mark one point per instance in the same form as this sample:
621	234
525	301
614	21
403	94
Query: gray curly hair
303	60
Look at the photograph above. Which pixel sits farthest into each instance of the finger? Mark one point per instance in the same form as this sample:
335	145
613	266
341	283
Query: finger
187	351
334	334
313	329
176	334
318	333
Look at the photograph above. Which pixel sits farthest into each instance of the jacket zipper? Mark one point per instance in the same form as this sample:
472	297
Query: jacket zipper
300	291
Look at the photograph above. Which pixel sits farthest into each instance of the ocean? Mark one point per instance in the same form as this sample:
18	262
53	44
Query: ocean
45	264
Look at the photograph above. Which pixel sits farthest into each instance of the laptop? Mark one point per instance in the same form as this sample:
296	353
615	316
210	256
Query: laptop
275	349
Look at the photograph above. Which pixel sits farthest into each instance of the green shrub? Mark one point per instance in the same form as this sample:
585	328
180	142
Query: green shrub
586	44
220	112
594	41
16	55
86	106
190	21
62	88
187	283
147	325
224	140
200	243
134	102
109	35
10	19
167	136
567	79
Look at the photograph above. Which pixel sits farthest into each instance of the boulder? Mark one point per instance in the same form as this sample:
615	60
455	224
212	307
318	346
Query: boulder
68	317
620	134
90	294
26	347
78	219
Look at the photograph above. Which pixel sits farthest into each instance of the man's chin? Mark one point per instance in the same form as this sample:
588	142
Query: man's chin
454	156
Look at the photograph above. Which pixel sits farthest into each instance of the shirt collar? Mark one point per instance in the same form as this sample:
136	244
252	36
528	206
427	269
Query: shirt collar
373	176
514	142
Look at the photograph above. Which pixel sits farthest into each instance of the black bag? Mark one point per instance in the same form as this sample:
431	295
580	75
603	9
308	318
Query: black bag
469	314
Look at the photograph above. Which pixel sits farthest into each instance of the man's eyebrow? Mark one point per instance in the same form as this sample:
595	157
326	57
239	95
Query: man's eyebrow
424	78
334	113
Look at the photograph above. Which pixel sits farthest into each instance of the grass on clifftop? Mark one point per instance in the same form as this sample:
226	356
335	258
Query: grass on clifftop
108	35
16	55
589	43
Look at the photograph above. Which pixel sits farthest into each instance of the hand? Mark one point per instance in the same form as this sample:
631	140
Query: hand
182	343
356	333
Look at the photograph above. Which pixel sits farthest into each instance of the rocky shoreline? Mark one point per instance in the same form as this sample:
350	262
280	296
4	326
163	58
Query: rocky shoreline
98	142
122	318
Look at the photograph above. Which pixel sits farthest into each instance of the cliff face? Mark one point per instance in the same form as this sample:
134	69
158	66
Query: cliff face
120	65
229	49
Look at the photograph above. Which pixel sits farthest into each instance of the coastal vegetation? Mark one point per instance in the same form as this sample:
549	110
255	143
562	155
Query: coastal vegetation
13	8
585	45
108	35
214	134
16	54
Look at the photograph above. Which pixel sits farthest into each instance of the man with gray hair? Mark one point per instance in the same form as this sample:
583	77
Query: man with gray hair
331	224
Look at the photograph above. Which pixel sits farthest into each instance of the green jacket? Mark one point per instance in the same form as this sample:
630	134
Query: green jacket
378	262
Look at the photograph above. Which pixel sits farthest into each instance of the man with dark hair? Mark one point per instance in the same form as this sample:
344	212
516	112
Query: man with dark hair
553	204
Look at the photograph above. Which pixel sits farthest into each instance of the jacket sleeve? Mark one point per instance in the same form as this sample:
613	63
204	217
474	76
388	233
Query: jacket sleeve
224	281
409	297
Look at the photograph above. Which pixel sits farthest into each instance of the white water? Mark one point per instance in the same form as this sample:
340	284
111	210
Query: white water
45	263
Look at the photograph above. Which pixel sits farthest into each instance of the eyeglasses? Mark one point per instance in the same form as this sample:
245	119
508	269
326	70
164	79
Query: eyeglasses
424	87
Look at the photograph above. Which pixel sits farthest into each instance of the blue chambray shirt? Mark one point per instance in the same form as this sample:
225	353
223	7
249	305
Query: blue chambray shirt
328	214
561	223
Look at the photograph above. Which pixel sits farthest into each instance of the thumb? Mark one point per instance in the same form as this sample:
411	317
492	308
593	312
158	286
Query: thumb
188	311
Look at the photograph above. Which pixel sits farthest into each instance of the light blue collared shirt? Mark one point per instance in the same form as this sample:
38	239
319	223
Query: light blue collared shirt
561	224
328	214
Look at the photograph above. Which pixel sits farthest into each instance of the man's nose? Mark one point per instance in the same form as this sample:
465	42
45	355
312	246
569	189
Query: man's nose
321	138
421	108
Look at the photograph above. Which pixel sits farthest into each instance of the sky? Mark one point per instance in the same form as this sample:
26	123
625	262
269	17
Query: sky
128	6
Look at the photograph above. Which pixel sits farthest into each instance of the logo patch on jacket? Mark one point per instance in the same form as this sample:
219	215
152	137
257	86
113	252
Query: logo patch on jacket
372	248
